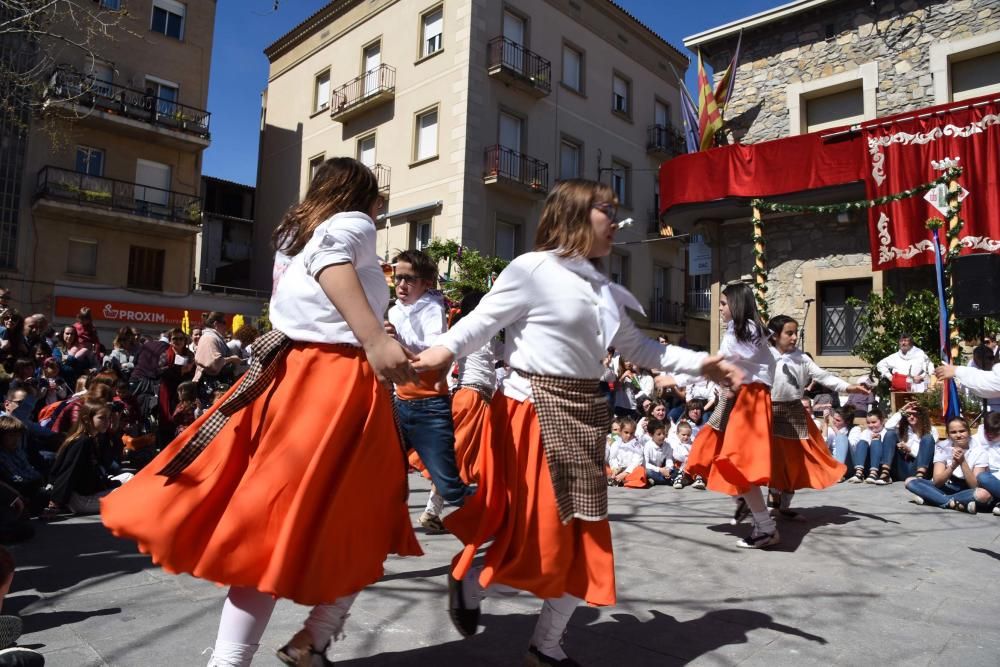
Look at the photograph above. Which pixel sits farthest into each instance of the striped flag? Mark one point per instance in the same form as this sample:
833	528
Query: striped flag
709	118
724	89
689	114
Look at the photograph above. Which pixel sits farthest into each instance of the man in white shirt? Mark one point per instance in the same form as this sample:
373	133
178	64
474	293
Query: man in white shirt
909	365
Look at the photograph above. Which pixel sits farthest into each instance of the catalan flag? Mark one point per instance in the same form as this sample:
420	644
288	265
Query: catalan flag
724	89
709	118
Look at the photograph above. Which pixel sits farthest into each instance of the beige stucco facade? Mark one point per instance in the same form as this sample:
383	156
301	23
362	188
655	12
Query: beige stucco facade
455	188
108	211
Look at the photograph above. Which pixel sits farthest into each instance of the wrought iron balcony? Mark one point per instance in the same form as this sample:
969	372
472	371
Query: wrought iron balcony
699	300
382	174
109	194
513	64
665	140
664	311
110	98
362	93
517	172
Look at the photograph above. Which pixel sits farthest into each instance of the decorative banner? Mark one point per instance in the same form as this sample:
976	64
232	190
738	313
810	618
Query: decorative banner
938	198
900	156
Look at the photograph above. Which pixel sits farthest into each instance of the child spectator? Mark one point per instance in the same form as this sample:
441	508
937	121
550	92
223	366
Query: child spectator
953	484
659	460
680	447
424	410
627	458
53	387
79	480
874	434
129	420
909	448
187	407
844	440
987	441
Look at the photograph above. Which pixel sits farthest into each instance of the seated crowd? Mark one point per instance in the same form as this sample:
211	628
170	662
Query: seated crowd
80	419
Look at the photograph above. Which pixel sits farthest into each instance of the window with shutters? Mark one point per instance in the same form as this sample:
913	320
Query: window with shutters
840	323
168	18
621	182
145	268
570	159
321	96
572	68
426	135
975	76
621	94
89	161
432	30
421	234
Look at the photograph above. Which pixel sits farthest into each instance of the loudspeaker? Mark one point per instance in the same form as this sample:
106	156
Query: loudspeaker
977	285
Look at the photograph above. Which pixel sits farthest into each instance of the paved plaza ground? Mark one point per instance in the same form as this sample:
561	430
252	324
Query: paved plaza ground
867	578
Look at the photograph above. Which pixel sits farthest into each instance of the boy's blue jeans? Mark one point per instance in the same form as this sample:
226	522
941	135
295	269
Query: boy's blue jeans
426	425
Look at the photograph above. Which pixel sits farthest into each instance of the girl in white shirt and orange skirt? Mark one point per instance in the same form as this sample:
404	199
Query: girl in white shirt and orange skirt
543	496
264	497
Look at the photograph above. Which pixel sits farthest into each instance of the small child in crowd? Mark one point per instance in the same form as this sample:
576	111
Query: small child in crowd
658	455
680	448
187	406
626	457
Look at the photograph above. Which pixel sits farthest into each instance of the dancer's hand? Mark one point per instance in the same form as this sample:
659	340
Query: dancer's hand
664	381
944	372
435	357
390	361
720	371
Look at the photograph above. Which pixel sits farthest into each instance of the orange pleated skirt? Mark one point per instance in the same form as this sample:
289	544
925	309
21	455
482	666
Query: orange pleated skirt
471	414
532	550
740	457
282	500
804	464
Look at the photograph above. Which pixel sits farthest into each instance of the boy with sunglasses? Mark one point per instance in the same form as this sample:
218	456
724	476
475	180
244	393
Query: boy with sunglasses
424	409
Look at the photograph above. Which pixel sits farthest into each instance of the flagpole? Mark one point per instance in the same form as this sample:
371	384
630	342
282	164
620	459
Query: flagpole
954	226
760	264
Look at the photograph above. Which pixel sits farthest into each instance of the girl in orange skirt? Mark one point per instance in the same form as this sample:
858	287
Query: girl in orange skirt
733	450
800	458
267	498
470	406
542	493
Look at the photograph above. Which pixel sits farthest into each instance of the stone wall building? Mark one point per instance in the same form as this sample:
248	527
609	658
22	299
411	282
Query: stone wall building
812	67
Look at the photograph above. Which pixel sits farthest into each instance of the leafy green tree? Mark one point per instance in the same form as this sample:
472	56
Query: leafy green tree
466	269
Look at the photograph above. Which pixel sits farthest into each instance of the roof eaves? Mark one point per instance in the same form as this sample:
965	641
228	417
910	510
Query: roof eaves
307	27
753	21
652	32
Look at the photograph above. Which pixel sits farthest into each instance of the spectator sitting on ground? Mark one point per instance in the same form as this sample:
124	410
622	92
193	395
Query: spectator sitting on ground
187	407
78	479
657	410
845	442
659	459
626	457
52	386
907	369
99	387
987	440
956	467
16	471
680	448
910	434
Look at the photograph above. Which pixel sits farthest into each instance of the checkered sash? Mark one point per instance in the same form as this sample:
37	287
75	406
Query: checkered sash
573	416
268	351
481	389
720	413
789	420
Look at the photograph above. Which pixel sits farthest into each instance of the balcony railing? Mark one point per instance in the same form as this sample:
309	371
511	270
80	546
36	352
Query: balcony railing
115	195
665	140
504	164
699	300
382	175
508	60
373	87
118	100
664	311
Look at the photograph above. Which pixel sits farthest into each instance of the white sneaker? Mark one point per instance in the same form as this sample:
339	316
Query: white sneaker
698	483
678	483
916	500
996	511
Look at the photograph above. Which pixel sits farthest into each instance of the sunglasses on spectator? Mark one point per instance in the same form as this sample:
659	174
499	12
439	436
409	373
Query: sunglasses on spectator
406	278
609	210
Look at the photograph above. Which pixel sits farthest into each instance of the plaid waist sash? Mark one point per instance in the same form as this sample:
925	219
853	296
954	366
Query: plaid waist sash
573	417
720	413
481	389
789	420
268	350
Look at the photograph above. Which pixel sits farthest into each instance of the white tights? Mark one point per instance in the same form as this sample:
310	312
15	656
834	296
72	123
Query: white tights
244	618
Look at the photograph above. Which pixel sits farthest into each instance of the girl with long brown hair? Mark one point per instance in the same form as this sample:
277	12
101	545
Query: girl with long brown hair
266	499
543	495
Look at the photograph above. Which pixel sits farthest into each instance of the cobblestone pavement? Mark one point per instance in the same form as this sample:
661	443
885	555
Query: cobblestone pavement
866	578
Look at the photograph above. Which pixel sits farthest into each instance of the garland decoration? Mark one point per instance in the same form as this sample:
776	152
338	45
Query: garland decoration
759	269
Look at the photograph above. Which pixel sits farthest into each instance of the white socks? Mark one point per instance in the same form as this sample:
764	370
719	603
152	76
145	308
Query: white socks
326	621
435	503
552	622
763	522
244	618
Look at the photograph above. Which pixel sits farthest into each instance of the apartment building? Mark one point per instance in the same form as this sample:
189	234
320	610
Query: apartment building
814	77
109	204
226	239
469	111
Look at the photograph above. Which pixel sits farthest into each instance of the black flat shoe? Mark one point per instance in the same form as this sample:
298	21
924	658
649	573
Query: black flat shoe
464	612
536	658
